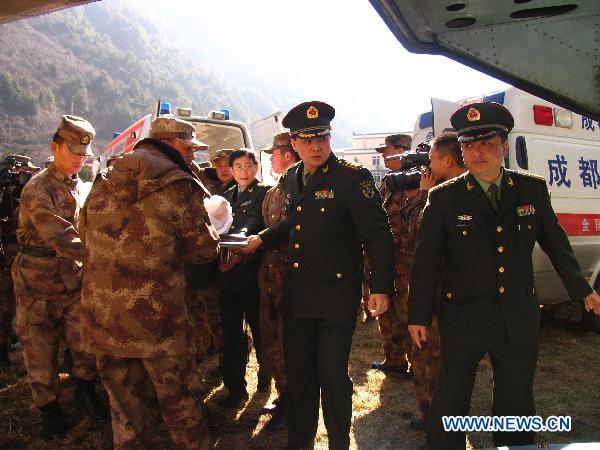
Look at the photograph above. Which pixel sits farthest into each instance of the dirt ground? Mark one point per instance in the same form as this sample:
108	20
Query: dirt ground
567	383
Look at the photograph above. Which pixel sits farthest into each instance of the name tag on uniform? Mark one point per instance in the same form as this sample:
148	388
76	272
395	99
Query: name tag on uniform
321	195
246	203
525	210
464	220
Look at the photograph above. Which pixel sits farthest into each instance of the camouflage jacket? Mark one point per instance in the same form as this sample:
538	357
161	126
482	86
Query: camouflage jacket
393	204
48	218
274	261
143	221
410	215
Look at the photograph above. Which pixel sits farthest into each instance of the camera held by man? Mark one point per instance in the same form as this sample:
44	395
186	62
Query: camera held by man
411	165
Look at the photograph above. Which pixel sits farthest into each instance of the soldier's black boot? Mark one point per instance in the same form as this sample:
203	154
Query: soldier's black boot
85	394
53	423
4	359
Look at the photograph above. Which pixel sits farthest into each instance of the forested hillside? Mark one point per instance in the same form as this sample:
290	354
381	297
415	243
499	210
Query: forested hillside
103	62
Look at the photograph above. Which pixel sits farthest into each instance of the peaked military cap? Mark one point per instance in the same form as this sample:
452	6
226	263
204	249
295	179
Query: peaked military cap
280	140
78	133
478	121
171	127
309	119
396	140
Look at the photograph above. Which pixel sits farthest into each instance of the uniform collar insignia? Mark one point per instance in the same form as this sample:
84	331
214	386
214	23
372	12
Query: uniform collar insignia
325	169
469	186
510	182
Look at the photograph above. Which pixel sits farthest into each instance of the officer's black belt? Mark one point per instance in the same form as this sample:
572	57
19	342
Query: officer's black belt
37	251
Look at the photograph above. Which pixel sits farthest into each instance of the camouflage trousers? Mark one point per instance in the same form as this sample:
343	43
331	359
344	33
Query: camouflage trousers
270	281
205	316
393	326
40	327
7	302
177	385
425	364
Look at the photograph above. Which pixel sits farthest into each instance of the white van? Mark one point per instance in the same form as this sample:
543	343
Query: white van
564	148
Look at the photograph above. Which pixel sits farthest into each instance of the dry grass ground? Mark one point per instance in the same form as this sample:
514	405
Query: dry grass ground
567	383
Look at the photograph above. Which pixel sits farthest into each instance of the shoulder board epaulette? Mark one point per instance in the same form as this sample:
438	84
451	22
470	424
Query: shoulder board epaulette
532	176
444	185
350	165
293	166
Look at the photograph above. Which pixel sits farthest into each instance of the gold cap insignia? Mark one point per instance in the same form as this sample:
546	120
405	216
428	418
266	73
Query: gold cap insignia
473	115
312	113
85	140
469	186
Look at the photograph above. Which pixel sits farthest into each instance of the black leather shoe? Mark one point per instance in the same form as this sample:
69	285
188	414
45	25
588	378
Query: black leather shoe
53	423
85	394
271	408
233	400
385	367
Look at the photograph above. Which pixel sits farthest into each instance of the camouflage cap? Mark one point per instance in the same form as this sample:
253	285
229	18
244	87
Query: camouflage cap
280	140
172	128
398	140
78	133
223	153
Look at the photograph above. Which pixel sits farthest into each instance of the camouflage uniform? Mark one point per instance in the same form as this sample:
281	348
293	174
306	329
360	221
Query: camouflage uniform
203	306
270	281
143	221
47	281
393	324
425	361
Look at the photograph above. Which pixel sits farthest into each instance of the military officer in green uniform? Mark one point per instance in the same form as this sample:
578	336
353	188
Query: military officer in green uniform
333	210
483	225
238	281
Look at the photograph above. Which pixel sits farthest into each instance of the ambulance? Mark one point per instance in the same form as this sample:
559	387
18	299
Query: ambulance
216	129
564	148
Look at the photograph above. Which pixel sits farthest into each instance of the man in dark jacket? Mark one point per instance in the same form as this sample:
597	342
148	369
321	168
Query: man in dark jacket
333	209
483	225
238	280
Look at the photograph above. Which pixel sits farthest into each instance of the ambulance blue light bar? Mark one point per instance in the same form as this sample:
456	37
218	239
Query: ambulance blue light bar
165	108
227	113
498	97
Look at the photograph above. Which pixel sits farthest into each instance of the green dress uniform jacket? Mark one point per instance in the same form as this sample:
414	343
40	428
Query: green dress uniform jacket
488	255
328	222
488	303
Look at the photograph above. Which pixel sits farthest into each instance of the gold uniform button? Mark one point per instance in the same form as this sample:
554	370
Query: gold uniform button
322	210
500	249
501	269
465	232
449	295
296	265
298	208
296	246
270	266
499	229
269	290
272	216
529	227
298	227
339	276
501	290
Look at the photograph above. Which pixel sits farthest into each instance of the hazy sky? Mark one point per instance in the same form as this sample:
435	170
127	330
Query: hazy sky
338	51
